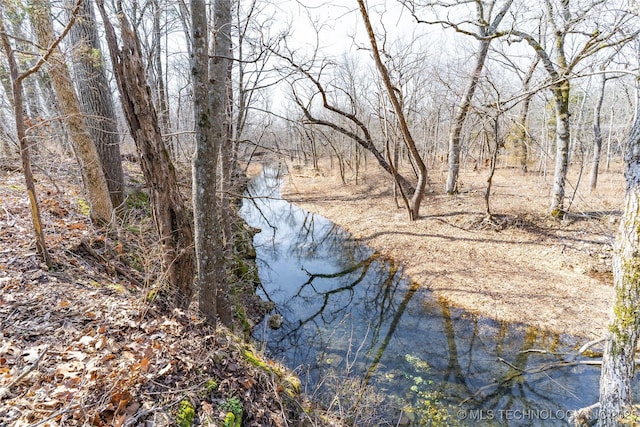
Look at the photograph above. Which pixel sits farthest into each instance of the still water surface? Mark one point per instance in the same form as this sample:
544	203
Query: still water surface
361	335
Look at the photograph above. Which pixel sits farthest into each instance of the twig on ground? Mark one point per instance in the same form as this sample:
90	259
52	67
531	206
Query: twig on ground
56	415
113	268
591	344
26	371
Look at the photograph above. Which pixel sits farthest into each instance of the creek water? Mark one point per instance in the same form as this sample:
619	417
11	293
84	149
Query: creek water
367	341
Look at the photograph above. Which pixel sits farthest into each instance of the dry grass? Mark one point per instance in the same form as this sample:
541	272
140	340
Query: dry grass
529	268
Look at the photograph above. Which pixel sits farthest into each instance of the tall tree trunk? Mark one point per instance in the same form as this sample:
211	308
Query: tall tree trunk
561	91
560	71
96	100
561	97
223	41
597	135
418	194
461	116
210	69
90	166
18	107
171	219
205	204
618	360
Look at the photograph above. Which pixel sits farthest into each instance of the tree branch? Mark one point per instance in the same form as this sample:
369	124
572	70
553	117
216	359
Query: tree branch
44	58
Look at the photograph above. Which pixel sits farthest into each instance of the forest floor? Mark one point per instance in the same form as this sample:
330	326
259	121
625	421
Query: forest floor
82	343
525	267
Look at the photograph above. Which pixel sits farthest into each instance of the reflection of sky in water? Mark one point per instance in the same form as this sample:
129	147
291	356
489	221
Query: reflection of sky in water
346	308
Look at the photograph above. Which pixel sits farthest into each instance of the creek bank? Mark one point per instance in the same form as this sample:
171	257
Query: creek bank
85	344
533	269
353	325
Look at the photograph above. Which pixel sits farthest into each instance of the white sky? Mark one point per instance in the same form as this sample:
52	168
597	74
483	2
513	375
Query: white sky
339	22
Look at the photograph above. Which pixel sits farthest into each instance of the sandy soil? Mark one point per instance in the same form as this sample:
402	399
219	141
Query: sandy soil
529	268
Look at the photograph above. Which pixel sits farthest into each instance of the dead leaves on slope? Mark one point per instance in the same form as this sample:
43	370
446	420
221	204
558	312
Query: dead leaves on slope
79	346
93	357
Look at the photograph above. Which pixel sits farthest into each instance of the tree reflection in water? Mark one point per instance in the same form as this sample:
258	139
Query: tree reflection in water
350	315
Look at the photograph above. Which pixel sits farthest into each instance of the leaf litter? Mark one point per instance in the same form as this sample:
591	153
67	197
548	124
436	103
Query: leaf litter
81	344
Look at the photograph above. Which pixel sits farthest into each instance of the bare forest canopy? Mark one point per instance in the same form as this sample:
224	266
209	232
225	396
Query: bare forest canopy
305	82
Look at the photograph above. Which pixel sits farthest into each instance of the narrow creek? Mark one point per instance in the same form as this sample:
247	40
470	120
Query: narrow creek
367	341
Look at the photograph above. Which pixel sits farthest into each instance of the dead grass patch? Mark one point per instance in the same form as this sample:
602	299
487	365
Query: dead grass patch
526	267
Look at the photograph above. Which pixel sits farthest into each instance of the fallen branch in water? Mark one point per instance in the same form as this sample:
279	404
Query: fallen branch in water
520	372
580	351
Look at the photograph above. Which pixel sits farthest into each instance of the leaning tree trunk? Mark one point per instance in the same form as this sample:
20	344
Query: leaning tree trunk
90	166
418	194
487	32
171	219
96	99
561	95
618	361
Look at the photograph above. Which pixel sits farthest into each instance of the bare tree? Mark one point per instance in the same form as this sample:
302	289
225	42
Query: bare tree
210	96
413	205
486	29
353	128
252	67
573	40
17	93
619	362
